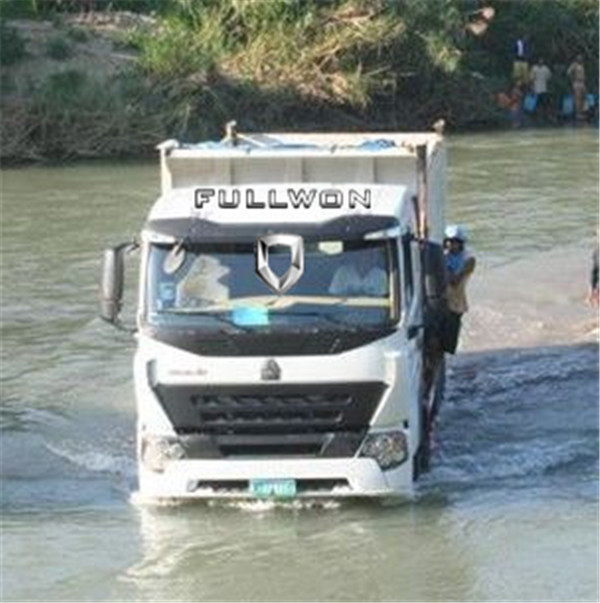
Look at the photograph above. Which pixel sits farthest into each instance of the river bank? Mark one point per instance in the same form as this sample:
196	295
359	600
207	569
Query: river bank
111	83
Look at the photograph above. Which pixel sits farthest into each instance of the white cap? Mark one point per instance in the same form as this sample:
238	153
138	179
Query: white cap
455	231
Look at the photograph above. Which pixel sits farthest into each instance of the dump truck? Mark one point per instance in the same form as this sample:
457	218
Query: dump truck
291	292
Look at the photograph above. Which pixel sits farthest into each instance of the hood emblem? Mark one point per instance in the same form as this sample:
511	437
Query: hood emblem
270	371
295	244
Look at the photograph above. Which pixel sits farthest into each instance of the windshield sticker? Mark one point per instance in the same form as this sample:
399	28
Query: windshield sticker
331	247
250	316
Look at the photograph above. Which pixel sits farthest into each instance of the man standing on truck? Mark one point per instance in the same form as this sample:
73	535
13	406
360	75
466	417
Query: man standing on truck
460	264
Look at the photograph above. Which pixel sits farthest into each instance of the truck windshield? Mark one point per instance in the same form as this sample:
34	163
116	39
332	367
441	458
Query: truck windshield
345	284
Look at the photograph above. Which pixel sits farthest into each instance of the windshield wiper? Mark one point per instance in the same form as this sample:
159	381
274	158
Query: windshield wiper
229	322
327	317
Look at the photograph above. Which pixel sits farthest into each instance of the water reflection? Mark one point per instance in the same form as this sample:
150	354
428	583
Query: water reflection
353	551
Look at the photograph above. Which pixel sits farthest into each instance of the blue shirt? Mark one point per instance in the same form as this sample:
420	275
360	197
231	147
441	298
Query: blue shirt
455	262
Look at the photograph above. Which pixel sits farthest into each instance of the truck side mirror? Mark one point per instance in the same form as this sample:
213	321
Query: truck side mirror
112	280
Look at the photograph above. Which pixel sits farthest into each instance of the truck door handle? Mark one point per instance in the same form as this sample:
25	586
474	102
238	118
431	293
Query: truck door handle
413	330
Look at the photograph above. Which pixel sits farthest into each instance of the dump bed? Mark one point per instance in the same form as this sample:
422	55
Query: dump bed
415	161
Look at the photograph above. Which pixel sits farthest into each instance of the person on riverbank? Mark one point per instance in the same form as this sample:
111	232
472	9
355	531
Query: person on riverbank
460	264
540	77
576	73
512	102
520	73
516	106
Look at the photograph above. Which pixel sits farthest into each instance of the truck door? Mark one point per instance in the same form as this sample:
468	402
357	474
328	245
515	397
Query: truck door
411	295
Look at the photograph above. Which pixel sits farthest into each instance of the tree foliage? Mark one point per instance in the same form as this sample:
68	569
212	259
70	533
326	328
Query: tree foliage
307	64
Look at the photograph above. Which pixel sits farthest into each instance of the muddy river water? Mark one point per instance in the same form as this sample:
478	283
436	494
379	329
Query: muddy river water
509	510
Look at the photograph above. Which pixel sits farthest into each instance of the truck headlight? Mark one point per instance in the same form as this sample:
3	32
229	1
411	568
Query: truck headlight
157	451
389	448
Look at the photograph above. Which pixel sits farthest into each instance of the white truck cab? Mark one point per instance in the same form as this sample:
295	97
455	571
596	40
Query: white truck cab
289	294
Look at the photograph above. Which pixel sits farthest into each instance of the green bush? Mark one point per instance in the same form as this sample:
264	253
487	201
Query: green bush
177	50
18	9
7	83
57	19
64	87
73	114
126	40
78	34
58	48
12	45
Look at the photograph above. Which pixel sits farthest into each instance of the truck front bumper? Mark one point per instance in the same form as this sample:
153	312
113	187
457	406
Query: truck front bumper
313	478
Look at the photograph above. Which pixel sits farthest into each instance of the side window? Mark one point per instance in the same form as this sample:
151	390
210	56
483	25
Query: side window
409	284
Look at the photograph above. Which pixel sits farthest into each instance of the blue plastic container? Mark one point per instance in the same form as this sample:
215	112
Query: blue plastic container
568	105
590	101
530	103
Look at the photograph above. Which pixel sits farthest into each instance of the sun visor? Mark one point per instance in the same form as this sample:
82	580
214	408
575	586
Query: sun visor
198	230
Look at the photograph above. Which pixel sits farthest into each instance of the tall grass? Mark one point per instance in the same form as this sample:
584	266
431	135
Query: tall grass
175	50
12	45
329	52
58	48
345	54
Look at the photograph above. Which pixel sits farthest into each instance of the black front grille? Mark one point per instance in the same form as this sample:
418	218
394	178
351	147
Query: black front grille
271	413
270	409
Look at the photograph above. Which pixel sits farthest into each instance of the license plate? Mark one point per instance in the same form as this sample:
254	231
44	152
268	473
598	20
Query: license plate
273	488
